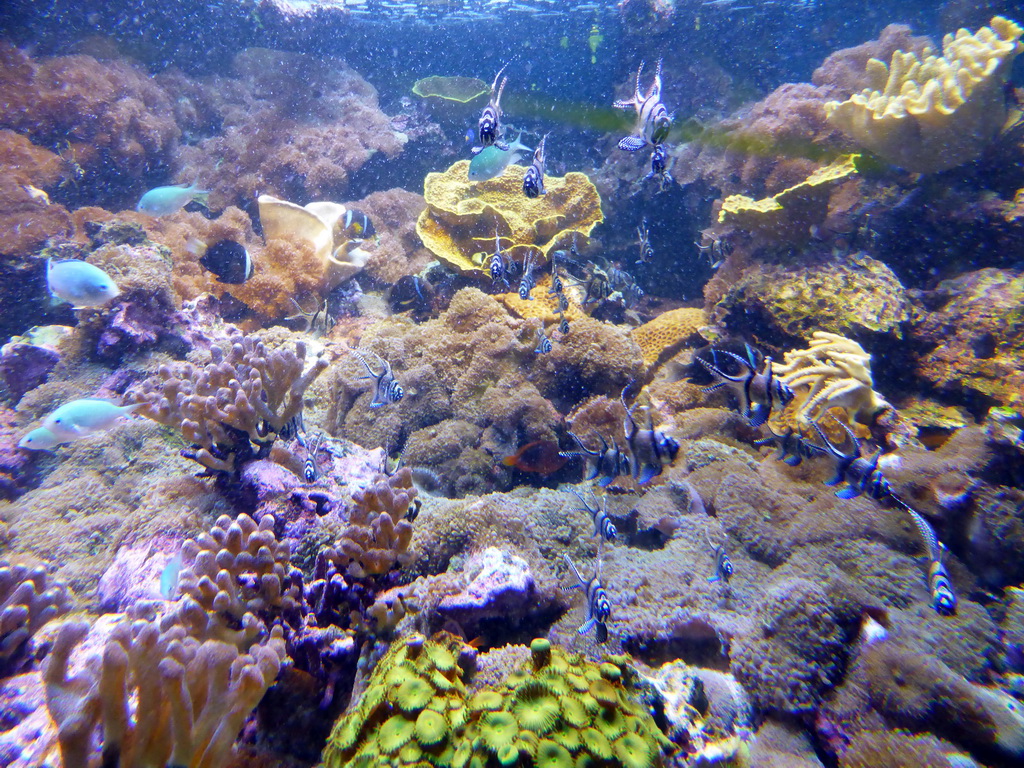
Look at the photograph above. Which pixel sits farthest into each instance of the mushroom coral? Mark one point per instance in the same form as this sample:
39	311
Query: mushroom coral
459	222
930	113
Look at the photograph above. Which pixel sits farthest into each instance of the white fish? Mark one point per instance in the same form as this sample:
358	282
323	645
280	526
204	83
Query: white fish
80	283
39	439
84	417
162	201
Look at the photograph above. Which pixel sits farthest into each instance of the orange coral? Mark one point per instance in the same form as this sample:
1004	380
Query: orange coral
541	305
663	337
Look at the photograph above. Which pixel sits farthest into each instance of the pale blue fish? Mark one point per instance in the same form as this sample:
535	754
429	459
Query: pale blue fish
162	201
40	439
492	161
169	576
84	417
80	283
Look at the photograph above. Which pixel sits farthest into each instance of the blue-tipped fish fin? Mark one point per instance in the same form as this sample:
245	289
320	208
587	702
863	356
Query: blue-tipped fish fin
586	626
632	143
835	480
793	460
647	474
713	387
604	482
849	492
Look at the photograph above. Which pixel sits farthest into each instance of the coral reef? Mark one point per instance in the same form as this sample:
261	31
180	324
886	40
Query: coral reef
27	602
245	396
554	710
461	216
929	113
973	336
193	696
833	372
664	336
789	215
291	125
779	303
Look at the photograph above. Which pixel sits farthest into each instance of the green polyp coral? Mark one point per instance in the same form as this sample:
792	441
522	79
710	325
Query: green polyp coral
558	709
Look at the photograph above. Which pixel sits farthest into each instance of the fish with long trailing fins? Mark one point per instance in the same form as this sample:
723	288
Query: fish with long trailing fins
610	461
939	585
652	118
603	525
757	391
599	606
861	475
528	282
651	449
660	166
489	128
543	343
491	162
533	179
644	240
793	447
386	389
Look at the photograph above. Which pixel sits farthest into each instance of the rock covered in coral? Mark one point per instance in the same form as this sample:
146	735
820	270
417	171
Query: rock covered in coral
498	584
292	125
137	574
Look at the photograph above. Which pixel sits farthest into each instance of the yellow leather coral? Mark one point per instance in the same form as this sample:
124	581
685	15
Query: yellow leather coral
789	215
458	225
936	112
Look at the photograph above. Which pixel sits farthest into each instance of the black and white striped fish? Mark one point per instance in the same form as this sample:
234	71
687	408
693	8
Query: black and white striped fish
757	392
603	525
659	166
489	126
939	585
723	565
793	447
357	224
557	287
651	448
533	180
652	118
644	237
861	475
599	607
500	270
310	470
386	388
543	343
609	462
528	281
563	323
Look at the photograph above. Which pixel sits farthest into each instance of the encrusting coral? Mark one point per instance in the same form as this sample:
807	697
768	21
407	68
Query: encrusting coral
246	395
929	113
461	217
27	602
833	372
191	697
664	336
789	215
554	710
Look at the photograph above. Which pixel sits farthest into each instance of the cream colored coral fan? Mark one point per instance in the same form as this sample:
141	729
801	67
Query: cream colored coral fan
836	372
937	112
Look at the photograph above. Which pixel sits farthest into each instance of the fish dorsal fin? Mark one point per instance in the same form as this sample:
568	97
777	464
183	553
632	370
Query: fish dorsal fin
854	442
572	567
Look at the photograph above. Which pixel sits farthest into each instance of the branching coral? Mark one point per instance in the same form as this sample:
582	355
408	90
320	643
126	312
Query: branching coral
929	113
240	568
833	372
244	396
377	535
461	217
27	602
160	696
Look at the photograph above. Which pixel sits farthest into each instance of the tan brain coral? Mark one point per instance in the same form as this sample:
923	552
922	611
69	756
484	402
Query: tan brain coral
932	113
663	337
461	216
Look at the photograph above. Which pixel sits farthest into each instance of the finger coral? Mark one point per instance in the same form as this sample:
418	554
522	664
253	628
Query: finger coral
159	696
27	602
833	372
459	222
929	113
245	395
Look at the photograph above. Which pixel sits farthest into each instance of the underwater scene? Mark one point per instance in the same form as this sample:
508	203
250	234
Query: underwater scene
512	384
